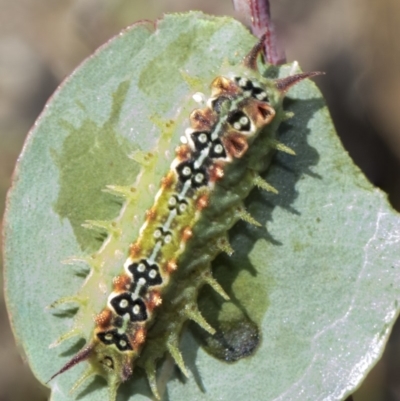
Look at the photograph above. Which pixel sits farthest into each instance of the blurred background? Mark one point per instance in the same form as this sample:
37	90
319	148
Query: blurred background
354	41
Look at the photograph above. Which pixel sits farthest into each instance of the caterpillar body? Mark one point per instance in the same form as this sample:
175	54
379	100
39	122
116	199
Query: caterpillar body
228	144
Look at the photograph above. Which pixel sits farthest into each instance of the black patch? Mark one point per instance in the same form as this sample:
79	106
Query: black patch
213	154
255	90
199	146
122	310
192	174
134	270
179	203
235	116
247	86
163	235
116	339
209	143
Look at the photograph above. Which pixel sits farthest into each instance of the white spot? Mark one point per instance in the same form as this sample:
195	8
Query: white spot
261	96
136	309
172	201
108	337
199	97
182	207
199	178
141	268
142	281
244	120
168	238
237	125
153	273
122	343
202	138
243	82
157	234
123	304
218	148
184	140
186	171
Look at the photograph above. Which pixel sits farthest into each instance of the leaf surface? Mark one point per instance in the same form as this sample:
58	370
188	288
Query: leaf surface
316	287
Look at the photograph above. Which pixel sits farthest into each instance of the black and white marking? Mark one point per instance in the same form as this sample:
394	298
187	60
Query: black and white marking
113	337
125	304
187	171
179	205
252	88
239	121
144	273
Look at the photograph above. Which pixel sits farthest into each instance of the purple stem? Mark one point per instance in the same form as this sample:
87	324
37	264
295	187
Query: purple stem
258	16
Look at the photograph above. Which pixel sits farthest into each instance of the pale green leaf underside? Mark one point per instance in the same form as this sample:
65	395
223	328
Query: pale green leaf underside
321	280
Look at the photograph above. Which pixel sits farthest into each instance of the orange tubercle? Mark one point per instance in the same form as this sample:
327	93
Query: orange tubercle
202	202
154	301
139	337
216	172
103	319
259	112
171	266
183	152
235	144
187	234
134	250
168	180
202	119
151	214
121	283
222	85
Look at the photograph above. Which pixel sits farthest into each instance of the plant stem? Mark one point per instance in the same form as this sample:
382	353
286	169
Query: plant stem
257	14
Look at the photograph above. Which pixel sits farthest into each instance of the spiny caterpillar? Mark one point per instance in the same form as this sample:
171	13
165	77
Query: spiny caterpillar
217	164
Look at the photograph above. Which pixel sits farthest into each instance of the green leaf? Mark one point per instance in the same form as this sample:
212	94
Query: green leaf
315	289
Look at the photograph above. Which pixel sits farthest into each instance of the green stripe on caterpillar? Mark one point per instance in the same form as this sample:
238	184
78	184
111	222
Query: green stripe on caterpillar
199	199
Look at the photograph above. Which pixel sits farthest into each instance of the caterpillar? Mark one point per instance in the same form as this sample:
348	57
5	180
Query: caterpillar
228	144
